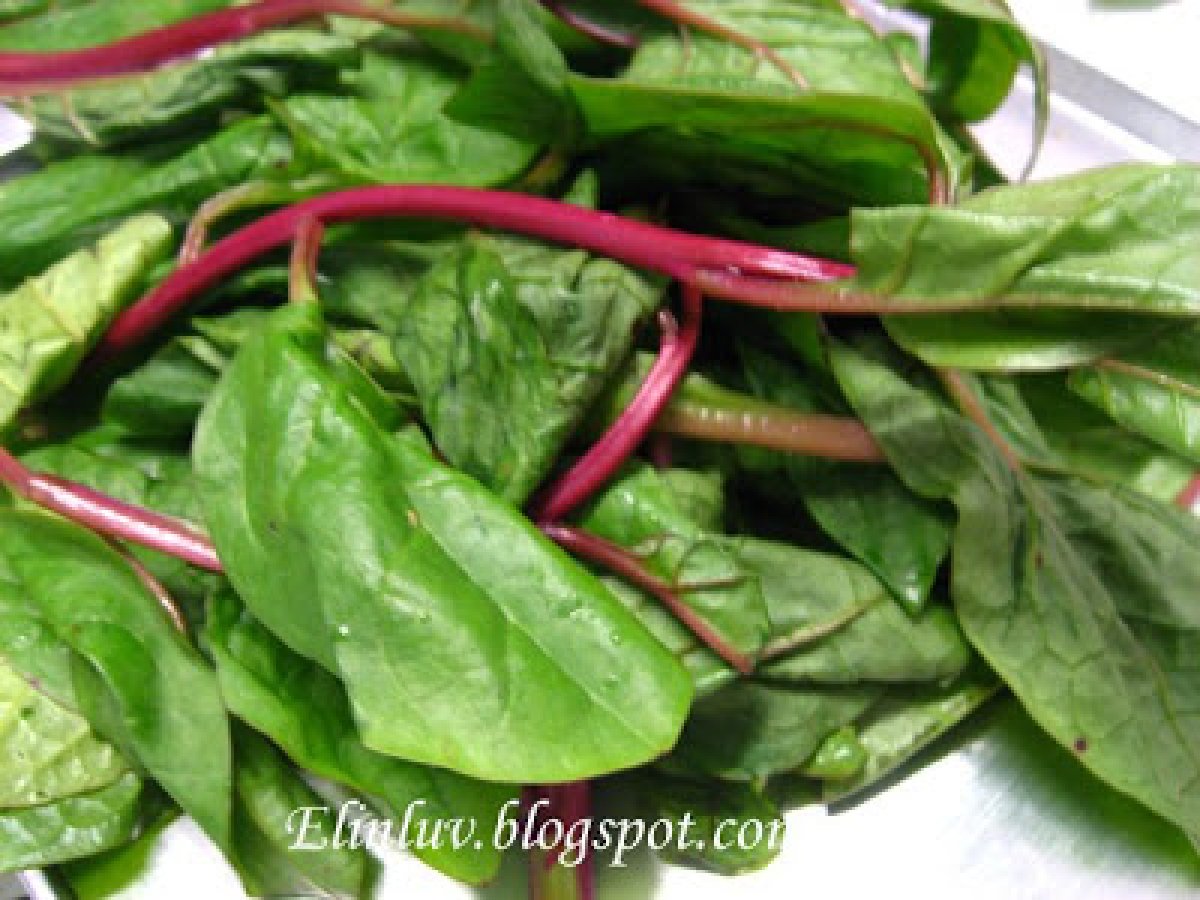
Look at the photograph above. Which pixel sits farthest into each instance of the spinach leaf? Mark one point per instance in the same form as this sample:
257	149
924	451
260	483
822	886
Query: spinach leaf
304	709
878	641
157	699
144	475
188	94
642	510
74	25
1152	390
708	807
47	214
70	828
534	331
465	639
268	794
906	721
975	50
50	751
1116	239
702	110
867	510
50	323
1081	597
393	128
750	731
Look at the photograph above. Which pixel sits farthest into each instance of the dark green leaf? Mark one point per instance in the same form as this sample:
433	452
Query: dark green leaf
704	109
750	731
268	794
72	25
304	709
1080	597
188	94
131	668
48	213
643	511
517	326
393	129
430	589
708	816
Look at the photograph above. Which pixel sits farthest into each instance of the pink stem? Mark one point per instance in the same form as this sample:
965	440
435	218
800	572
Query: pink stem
569	804
621	441
1189	497
600	33
25	73
685	257
107	516
619	560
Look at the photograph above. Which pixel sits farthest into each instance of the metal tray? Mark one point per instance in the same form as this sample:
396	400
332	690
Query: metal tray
995	810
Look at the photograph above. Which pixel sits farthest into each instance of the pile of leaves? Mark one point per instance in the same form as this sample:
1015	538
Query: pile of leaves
483	500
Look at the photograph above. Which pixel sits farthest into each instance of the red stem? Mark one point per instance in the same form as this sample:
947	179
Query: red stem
569	804
619	560
685	257
1189	497
600	33
107	516
32	72
629	431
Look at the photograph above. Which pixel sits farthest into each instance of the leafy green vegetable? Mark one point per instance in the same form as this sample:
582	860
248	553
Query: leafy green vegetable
867	510
513	324
268	794
715	812
1118	239
51	752
235	76
70	828
647	511
71	25
152	694
48	213
49	324
393	129
703	109
430	589
304	709
1153	390
749	731
1079	596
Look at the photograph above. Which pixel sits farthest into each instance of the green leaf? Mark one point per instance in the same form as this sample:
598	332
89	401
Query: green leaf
1153	390
71	828
1080	597
1116	239
840	757
906	721
975	50
268	794
535	331
51	753
706	809
304	709
866	509
188	94
702	109
809	592
17	9
50	323
750	731
130	667
147	476
646	511
49	213
393	129
428	590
